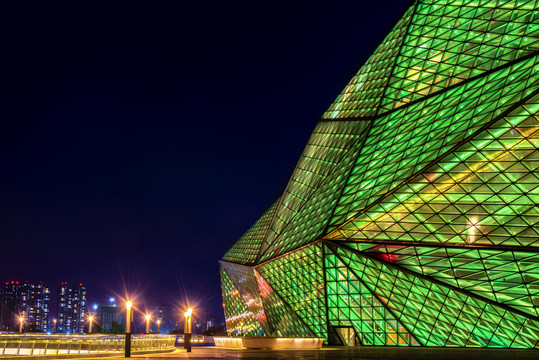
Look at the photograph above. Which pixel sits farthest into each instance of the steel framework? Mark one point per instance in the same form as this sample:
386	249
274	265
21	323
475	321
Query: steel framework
412	217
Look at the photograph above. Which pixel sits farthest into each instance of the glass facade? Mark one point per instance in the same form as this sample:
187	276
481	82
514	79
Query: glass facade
412	218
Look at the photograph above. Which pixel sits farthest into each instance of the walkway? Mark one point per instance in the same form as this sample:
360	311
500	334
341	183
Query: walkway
364	353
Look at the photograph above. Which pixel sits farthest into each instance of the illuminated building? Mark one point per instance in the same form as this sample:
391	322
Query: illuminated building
169	317
110	317
412	217
209	321
34	300
9	306
31	301
71	308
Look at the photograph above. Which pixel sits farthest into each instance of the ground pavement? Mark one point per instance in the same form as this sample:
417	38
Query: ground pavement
338	353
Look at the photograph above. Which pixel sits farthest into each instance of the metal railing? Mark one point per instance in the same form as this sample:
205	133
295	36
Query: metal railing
196	339
33	345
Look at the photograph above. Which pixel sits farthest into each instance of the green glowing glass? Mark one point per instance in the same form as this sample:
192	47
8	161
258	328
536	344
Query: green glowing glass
412	217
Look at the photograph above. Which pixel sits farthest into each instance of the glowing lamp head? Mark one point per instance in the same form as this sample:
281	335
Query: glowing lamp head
148	317
189	312
128	305
158	321
90	317
21	318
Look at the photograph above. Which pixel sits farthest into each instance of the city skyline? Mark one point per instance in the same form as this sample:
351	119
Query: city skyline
26	303
104	310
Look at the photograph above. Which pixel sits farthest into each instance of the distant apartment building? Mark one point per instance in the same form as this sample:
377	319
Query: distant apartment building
209	321
109	318
169	318
31	301
71	311
9	306
34	302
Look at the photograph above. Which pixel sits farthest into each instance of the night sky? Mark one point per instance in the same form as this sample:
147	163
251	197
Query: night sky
138	141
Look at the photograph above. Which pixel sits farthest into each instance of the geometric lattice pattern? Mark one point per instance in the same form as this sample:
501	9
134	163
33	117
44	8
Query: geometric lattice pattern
273	315
363	94
298	278
330	141
451	41
239	319
351	303
254	303
246	248
404	142
412	217
311	219
498	275
472	195
440	315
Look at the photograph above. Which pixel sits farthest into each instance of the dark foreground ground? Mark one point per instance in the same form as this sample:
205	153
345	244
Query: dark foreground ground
349	353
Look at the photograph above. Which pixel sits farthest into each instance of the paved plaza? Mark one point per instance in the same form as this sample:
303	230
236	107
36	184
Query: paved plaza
338	353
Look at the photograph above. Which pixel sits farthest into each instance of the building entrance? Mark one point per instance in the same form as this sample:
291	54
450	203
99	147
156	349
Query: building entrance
348	336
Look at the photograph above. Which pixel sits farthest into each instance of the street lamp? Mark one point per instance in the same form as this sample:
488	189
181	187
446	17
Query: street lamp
187	332
158	324
148	317
54	327
128	305
21	320
91	318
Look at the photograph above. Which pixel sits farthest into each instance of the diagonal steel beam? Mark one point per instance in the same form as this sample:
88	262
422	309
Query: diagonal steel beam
436	281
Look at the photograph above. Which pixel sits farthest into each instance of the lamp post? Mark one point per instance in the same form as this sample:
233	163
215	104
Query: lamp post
91	318
21	320
187	332
158	325
128	329
54	326
148	317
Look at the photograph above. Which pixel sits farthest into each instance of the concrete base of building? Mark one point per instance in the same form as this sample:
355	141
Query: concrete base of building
267	342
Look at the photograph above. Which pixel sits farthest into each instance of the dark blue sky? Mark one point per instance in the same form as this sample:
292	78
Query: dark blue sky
139	140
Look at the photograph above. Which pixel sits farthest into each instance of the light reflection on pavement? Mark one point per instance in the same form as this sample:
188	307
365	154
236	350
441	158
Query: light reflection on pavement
344	353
